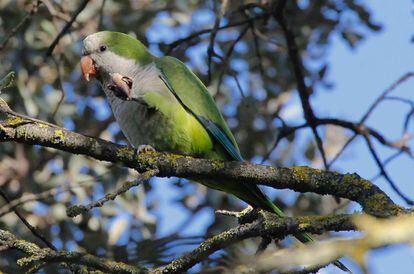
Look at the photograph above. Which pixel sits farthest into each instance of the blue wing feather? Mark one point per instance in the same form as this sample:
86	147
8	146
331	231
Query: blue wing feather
221	137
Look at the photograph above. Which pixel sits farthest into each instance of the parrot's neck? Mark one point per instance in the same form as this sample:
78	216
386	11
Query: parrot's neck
136	119
145	78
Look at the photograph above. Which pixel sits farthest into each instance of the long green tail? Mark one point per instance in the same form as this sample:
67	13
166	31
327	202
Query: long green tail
260	200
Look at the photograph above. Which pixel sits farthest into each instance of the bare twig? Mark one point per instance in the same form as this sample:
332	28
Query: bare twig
382	97
210	50
284	131
24	20
37	257
225	61
377	234
273	228
30	197
256	45
101	14
32	229
393	86
52	46
363	130
75	210
61	90
384	172
385	163
303	90
356	127
193	35
55	13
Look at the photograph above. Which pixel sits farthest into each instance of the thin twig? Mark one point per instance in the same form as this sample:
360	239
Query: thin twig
256	46
276	229
55	13
101	14
32	229
225	62
52	46
62	92
23	21
384	172
393	86
385	163
210	50
303	90
380	98
76	210
50	193
37	257
193	35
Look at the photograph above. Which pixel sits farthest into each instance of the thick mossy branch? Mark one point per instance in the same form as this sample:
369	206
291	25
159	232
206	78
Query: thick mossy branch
38	256
267	226
303	179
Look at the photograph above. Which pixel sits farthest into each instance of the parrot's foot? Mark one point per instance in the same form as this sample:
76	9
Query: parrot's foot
145	149
121	86
245	216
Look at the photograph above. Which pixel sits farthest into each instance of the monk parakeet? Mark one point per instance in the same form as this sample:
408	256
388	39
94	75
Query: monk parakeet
160	102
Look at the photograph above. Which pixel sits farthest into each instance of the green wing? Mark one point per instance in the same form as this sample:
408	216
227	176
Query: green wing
196	99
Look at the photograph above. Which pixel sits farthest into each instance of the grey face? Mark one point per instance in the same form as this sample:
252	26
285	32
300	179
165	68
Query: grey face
105	62
95	51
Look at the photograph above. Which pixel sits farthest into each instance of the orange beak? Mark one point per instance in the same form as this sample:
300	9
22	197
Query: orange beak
88	67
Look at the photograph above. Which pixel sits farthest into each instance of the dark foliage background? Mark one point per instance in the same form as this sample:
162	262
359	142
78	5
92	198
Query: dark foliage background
250	74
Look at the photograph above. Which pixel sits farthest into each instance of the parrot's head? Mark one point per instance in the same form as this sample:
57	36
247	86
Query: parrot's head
109	52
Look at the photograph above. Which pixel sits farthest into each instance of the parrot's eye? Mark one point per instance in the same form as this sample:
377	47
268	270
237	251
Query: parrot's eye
102	48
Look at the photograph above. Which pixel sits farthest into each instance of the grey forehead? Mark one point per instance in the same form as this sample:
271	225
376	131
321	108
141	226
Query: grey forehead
91	42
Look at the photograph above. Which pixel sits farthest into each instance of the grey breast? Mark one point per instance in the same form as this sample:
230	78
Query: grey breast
131	117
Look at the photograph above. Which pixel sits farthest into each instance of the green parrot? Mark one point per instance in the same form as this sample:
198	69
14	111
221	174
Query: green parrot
161	103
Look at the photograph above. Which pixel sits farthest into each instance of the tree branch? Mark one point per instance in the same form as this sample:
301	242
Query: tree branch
304	92
75	210
303	179
267	226
36	256
26	18
31	228
377	234
52	46
193	35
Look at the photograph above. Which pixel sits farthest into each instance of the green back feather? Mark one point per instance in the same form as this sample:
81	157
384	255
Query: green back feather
194	96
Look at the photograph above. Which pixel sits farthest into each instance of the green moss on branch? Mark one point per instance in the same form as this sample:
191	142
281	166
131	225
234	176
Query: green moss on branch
302	179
